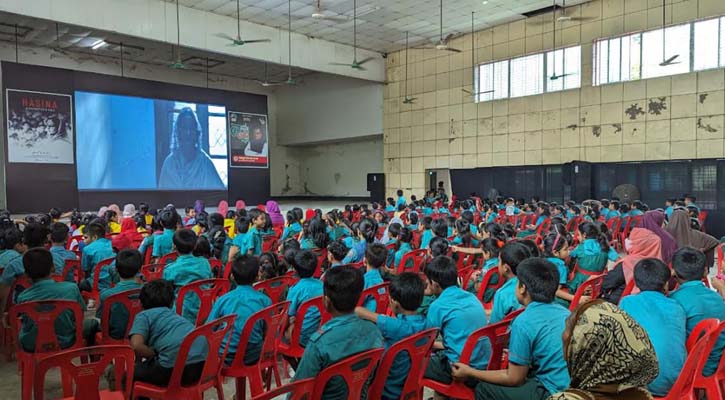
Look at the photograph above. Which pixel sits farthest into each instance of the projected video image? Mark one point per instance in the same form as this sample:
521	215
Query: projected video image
134	143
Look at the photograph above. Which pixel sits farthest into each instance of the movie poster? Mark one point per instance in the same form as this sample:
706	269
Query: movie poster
248	140
40	127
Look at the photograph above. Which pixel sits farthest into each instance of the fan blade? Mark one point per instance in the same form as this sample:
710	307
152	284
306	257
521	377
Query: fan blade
225	36
670	61
452	49
341	64
430	47
331	18
447	38
467	91
364	60
555	77
257	41
268	84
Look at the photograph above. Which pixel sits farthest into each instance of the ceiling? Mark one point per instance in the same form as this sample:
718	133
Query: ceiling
79	41
381	24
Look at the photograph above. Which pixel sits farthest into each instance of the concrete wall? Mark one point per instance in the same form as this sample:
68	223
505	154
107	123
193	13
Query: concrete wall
445	129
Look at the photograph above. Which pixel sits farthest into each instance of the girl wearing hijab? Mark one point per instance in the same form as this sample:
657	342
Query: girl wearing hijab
199	207
129	236
240	205
275	215
609	355
654	221
685	236
642	243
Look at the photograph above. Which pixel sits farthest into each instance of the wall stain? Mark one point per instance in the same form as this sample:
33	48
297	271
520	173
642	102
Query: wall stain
657	106
705	127
572	126
596	130
337	177
287	188
634	111
617	128
703	96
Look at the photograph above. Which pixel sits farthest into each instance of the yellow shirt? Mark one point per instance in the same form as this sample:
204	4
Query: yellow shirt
229	223
115	227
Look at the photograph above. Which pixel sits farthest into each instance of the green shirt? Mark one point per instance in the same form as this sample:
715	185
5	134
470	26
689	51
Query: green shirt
188	269
163	243
163	330
119	313
12	262
65	325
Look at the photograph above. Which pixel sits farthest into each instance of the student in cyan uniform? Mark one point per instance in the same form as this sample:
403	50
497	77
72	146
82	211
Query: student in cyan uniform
536	364
406	295
375	256
402	247
663	318
591	254
251	241
344	335
187	269
156	337
336	252
243	301
164	243
11	258
305	289
38	264
97	249
556	251
427	234
293	227
504	300
59	238
698	301
401	199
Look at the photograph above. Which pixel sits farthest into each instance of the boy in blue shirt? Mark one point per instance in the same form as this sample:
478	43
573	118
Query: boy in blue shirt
690	202
336	252
504	300
249	241
427	234
38	265
406	295
164	242
344	335
375	256
156	337
97	249
59	238
698	301
187	269
390	207
662	317
11	259
401	200
243	301
457	314
306	288
537	368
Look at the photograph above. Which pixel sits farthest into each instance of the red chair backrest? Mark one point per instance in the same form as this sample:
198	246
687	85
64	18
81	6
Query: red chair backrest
227	270
464	260
702	217
314	303
486	284
148	254
381	231
627	290
418	348
97	272
86	375
273	318
703	328
683	386
208	290
572	224
416	239
498	335
276	288
298	390
544	227
513	314
74	242
380	294
152	272
354	370
129	299
321	259
20	283
592	288
269	243
217	268
43	314
70	265
417	257
167	258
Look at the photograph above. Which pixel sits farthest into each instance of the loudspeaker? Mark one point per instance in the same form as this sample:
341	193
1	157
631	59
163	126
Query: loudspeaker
376	187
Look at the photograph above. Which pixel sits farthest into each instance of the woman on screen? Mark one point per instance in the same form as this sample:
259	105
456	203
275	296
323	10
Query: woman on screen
188	166
257	146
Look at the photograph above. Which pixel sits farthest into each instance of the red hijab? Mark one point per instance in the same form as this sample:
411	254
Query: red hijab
643	244
129	236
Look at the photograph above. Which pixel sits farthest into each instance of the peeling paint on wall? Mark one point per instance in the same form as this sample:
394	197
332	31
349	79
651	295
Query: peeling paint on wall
597	131
634	111
703	96
572	127
617	128
705	127
657	106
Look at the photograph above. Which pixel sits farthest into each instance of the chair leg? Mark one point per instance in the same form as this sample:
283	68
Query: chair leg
219	389
277	377
241	387
26	384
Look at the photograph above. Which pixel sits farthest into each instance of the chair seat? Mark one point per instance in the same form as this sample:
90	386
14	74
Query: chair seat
104	395
287	350
456	390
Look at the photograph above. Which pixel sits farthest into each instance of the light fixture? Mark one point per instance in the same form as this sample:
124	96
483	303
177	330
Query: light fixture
98	44
485	2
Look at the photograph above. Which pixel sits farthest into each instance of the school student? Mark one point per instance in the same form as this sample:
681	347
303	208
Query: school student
556	251
336	252
242	301
187	269
698	301
164	243
38	266
16	244
251	241
536	364
662	317
402	246
406	295
366	235
401	199
427	233
306	288
97	249
504	300
591	254
293	227
59	238
315	235
375	256
344	335
490	250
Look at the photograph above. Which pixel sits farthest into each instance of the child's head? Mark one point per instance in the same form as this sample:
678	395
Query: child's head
405	235
59	233
614	205
538	281
202	248
317	232
269	266
13	240
406	292
128	263
184	241
690	199
624	208
55	214
190	212
336	251
110	216
342	289
390	201
367	230
157	294
651	275
532	246
168	219
241	224
399	193
375	255
143	208
426	222
637	205
216	219
440	227
257	218
491	248
245	269
305	263
292	217
441	273
670	202
394	230
512	254
438	246
38	263
231	214
556	245
413	218
689	264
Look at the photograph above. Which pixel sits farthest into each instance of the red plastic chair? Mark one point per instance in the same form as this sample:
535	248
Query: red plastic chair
152	272
217	268
592	288
70	265
418	348
416	256
148	255
269	243
513	314
43	314
486	284
227	270
74	242
214	332
380	293
354	370
705	327
207	290
498	335
702	217
628	289
168	258
465	260
415	242
95	292
714	385
683	389
86	376
293	349
273	318
276	288
298	390
321	259
7	337
130	301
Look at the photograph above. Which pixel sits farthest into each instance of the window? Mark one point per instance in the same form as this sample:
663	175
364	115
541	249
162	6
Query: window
529	75
677	49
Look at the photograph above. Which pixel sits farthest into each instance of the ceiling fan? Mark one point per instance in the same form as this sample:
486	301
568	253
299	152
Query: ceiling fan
356	64
237	41
554	76
568	18
408	99
290	81
442	43
266	82
666	62
177	63
320	14
473	62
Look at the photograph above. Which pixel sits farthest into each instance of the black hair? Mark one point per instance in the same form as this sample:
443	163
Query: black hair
338	250
59	232
169	219
689	264
492	246
554	242
375	255
426	221
128	263
245	269
305	263
692	198
343	287
202	247
269	266
513	253
241	224
591	231
156	294
405	236
440	228
443	271
184	240
624	208
368	228
413	218
38	263
11	237
292	217
495	231
216	219
290	248
390	201
651	275
394	230
54	213
143	208
614	203
35	235
399	192
254	214
231	214
44	219
188	209
637	204
540	277
439	246
317	231
407	289
463	231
